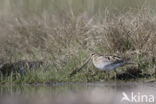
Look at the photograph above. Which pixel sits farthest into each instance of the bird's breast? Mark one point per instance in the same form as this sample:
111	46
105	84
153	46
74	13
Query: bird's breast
101	66
107	66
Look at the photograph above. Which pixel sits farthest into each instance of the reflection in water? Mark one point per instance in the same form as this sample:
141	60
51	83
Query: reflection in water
77	93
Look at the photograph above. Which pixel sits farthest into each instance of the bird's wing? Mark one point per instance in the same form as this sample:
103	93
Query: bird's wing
114	59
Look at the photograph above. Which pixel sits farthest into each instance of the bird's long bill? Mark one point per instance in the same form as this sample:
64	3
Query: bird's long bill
79	68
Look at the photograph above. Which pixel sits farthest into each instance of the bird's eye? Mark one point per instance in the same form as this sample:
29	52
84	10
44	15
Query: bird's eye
92	54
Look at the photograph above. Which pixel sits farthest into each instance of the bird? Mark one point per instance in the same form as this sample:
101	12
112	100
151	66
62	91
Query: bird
108	62
104	63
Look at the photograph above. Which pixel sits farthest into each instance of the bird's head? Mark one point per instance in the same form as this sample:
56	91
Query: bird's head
92	55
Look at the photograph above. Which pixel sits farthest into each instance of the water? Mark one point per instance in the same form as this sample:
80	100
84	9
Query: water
79	93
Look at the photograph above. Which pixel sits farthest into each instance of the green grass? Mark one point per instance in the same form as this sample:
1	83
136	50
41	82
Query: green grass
51	74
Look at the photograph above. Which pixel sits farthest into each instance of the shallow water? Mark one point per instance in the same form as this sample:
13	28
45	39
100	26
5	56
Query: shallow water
80	93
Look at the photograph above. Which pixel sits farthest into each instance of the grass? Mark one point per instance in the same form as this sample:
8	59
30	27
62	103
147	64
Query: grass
63	41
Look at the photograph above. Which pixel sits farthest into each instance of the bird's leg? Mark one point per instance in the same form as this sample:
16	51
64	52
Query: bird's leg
108	75
104	74
115	73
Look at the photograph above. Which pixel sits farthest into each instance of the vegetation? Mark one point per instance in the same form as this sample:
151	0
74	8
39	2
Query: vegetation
62	41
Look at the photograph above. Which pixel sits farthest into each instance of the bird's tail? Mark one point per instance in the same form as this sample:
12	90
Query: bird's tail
129	62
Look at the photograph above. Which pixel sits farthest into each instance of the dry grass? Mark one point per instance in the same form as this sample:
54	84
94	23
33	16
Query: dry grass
63	40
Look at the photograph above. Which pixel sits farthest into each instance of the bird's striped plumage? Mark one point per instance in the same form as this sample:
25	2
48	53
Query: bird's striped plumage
104	63
107	63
